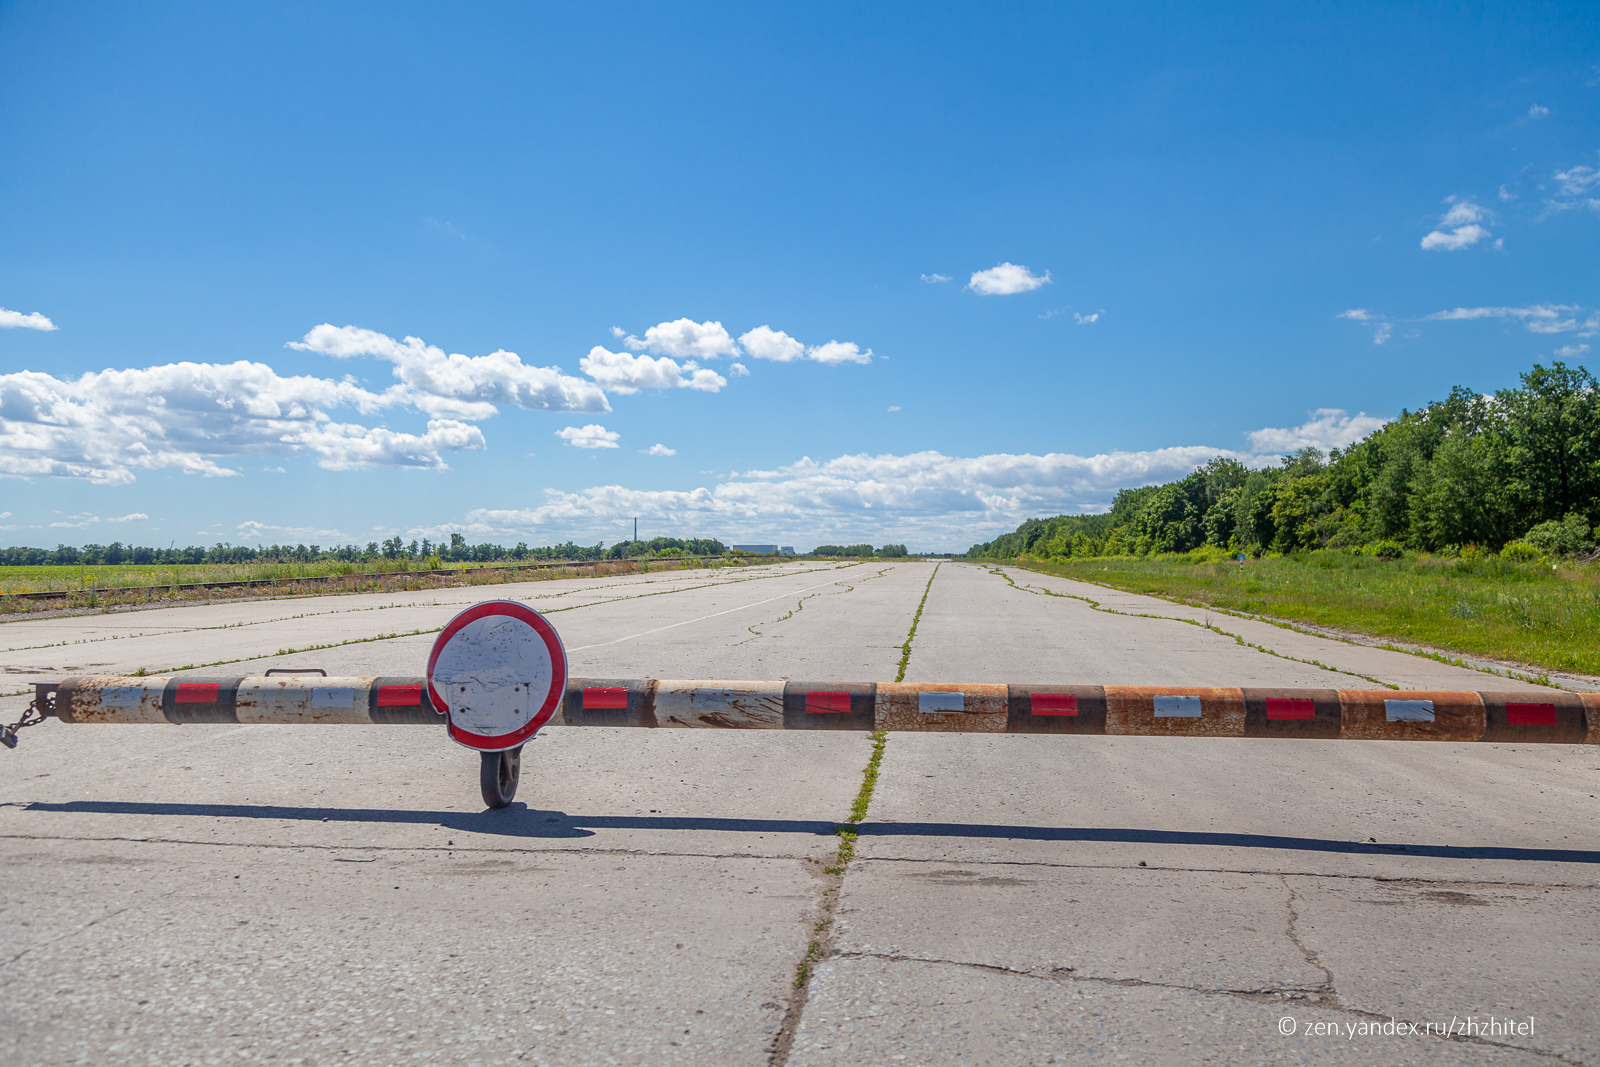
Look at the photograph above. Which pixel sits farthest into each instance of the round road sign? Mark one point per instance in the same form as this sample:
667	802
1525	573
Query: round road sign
498	671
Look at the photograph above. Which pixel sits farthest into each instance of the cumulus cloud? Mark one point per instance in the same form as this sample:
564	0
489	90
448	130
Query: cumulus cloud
1006	279
1359	314
925	496
1327	429
685	339
16	320
590	436
894	407
836	352
1538	318
136	516
106	426
738	370
935	279
1538	112
658	450
764	342
1086	320
1382	333
623	373
1458	228
457	386
1565	352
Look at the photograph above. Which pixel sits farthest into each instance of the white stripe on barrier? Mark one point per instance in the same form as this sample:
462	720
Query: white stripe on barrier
333	697
1177	707
1408	710
938	703
121	696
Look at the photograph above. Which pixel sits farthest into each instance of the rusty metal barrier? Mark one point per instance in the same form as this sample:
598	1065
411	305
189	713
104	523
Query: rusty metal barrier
1148	711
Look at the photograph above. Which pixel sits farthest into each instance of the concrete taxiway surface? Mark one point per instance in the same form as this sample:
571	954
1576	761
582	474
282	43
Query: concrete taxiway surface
318	895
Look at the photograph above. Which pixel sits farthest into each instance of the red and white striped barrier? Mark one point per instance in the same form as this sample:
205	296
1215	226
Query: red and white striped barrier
1149	711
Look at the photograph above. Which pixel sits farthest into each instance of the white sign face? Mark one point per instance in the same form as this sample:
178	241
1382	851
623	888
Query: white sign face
498	671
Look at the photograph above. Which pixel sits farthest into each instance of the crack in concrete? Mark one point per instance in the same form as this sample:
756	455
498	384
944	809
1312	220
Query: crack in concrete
63	937
1206	625
1279	996
1327	990
946	861
399	849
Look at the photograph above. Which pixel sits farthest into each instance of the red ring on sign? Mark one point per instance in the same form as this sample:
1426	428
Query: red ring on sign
558	682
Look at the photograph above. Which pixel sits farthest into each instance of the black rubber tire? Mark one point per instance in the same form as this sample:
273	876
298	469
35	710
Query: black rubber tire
498	775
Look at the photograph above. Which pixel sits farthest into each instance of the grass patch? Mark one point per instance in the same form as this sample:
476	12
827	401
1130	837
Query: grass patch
1523	612
905	649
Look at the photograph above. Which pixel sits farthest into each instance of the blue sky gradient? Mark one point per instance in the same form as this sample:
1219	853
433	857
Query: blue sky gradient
205	184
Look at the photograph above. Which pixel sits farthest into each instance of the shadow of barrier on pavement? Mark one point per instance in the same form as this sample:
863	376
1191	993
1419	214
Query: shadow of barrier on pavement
518	820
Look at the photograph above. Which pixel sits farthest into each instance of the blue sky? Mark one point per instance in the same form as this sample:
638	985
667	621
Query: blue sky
1167	234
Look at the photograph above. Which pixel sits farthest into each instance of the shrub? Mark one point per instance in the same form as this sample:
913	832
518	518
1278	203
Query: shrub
1564	538
1387	550
1521	552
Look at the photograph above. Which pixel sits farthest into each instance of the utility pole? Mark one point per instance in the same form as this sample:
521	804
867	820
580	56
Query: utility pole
636	527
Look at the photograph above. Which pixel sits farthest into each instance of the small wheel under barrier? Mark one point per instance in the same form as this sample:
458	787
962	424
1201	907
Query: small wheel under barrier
498	775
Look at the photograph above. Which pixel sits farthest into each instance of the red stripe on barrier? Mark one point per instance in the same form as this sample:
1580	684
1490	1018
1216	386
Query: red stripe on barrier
1531	714
1284	708
405	696
828	702
1053	703
197	692
605	697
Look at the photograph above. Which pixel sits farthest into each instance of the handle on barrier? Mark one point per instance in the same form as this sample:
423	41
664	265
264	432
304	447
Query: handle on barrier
296	670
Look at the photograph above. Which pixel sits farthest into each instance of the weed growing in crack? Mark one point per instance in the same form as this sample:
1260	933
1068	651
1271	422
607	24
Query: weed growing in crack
905	649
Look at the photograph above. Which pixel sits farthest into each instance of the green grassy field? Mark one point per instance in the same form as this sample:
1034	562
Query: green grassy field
1524	612
121	575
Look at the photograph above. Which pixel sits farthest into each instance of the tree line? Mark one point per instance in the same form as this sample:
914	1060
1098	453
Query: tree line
887	551
1517	472
422	552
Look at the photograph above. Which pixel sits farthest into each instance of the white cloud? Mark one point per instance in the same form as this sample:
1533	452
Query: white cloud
1381	331
1085	320
253	530
935	279
1538	318
685	339
1565	352
764	342
1537	112
738	370
658	450
1578	186
836	352
925	496
590	436
1327	429
1507	194
1461	222
1006	279
136	516
626	374
457	386
105	426
75	522
13	320
894	407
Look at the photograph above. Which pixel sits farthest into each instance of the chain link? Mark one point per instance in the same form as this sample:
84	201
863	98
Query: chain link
39	709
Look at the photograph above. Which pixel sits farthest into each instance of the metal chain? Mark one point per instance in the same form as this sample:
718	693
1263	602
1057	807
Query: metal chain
31	717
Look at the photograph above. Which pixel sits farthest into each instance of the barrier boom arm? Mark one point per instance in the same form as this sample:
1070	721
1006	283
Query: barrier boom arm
1150	711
